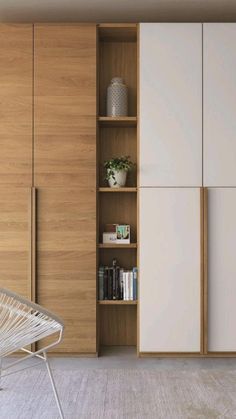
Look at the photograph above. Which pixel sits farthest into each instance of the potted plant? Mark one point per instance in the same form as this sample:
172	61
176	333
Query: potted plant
117	169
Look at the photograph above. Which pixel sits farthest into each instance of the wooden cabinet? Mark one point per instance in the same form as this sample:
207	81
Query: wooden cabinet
65	105
221	270
48	138
180	311
170	270
170	104
15	240
219	104
65	178
66	262
16	87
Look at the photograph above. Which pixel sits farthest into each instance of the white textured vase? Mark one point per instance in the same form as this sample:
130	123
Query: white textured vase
120	179
117	98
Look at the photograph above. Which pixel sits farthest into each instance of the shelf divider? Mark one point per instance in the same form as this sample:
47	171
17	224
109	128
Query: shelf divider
118	121
117	246
117	190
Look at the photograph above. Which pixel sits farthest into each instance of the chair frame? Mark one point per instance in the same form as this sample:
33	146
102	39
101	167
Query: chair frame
40	354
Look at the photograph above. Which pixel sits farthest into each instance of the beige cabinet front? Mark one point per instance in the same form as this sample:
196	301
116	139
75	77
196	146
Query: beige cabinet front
171	104
221	269
170	277
219	72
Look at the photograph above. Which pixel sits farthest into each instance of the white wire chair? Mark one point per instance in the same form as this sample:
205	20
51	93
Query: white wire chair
23	323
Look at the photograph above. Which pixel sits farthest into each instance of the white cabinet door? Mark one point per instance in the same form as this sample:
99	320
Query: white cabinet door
170	270
171	104
221	269
219	74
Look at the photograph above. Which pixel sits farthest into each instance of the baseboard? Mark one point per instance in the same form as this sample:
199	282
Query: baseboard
186	355
73	354
169	354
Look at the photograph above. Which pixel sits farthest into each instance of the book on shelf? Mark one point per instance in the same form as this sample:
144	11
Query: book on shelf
116	283
101	283
135	279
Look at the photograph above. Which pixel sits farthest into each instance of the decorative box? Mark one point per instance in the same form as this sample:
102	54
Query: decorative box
109	238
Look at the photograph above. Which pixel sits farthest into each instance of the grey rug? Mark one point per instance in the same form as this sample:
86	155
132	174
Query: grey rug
121	394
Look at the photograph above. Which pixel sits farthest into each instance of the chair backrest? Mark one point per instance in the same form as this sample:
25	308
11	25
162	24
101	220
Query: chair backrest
23	322
35	307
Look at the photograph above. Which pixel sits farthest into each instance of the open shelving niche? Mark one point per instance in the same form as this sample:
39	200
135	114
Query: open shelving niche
118	52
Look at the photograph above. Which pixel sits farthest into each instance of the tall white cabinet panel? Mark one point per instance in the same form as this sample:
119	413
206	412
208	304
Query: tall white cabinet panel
219	104
171	104
170	270
221	269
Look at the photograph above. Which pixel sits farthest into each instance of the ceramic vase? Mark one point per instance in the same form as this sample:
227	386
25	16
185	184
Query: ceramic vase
117	98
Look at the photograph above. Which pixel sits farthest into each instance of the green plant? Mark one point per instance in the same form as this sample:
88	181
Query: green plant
116	165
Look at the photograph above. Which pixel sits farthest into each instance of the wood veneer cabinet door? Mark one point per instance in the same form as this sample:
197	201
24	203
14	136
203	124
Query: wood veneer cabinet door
16	83
66	262
221	269
219	72
170	270
65	177
65	105
171	104
15	240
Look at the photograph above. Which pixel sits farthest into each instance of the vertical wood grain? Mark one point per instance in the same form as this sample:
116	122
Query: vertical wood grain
118	59
118	141
118	208
118	325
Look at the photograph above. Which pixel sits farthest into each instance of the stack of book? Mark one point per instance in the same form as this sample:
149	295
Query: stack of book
116	283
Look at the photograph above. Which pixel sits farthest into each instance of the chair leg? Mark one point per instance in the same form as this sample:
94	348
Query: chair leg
53	386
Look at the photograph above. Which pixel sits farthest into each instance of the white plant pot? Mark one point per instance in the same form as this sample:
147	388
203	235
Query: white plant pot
120	179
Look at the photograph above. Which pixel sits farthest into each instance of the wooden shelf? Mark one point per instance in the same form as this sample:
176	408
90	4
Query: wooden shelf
117	302
117	246
111	190
121	121
117	136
